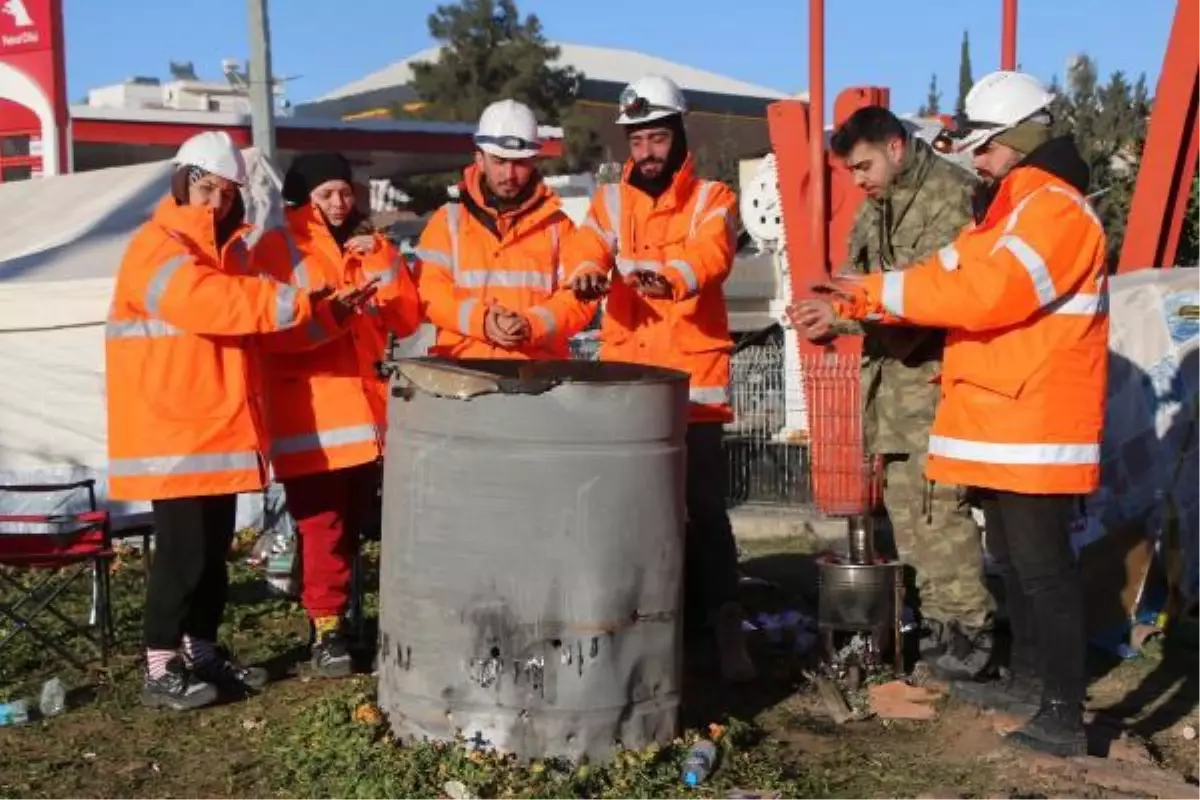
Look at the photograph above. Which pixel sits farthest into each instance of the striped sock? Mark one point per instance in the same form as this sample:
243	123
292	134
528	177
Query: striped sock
198	651
324	625
156	662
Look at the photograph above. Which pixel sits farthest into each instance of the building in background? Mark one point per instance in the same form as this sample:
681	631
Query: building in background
726	113
145	119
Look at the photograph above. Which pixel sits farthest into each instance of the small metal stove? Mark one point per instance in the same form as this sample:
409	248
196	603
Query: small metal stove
860	593
861	598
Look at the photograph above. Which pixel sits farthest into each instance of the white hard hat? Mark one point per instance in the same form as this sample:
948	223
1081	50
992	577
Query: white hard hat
649	98
214	152
998	102
508	129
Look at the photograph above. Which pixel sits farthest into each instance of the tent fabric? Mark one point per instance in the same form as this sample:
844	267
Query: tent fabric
64	240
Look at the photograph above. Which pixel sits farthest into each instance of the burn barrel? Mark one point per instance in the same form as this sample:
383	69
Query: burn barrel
532	555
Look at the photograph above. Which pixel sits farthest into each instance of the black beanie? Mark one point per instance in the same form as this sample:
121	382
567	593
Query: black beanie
309	171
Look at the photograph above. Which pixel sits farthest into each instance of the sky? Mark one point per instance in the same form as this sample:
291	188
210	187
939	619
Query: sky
324	44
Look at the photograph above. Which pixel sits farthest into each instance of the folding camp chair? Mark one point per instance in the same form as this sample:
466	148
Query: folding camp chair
41	556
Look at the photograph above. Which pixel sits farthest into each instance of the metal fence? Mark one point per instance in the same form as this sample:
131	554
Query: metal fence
765	464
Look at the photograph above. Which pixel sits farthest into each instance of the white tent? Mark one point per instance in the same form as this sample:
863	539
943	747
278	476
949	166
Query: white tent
63	242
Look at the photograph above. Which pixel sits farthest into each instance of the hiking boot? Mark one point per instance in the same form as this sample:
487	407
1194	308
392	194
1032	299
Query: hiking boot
1056	729
1016	694
331	655
226	673
736	665
177	689
968	653
932	641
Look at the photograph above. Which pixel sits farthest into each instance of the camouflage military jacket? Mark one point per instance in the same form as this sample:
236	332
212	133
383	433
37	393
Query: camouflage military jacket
925	208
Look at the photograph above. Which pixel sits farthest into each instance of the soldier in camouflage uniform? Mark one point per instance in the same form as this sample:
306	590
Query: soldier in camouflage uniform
917	202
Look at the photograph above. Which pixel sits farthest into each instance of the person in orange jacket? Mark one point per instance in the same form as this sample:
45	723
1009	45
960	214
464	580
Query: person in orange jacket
671	239
327	406
1023	292
488	262
185	417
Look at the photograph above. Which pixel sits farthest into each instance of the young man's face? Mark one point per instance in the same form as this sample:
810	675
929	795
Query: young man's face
875	166
993	160
505	177
649	148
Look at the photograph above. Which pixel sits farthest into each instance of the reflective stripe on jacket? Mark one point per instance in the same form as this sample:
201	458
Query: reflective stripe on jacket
469	257
1024	379
182	375
327	404
688	236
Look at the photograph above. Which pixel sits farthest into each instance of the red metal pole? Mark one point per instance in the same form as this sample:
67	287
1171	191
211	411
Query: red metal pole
1172	149
819	252
1008	36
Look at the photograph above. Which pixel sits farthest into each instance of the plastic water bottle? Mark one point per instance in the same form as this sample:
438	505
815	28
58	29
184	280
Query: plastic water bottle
699	762
15	712
54	698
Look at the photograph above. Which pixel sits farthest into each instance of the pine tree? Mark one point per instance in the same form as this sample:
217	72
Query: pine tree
965	81
488	52
933	101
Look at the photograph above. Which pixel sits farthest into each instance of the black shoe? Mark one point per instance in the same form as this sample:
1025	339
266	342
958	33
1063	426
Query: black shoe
968	653
177	689
1057	729
932	641
228	674
1010	694
331	655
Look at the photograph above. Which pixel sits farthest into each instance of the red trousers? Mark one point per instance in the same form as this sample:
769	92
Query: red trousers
330	509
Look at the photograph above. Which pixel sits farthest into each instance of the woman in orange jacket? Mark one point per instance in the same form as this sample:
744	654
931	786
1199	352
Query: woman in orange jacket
328	405
185	422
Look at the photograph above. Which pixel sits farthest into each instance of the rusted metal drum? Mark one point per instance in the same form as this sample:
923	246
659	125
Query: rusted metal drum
532	554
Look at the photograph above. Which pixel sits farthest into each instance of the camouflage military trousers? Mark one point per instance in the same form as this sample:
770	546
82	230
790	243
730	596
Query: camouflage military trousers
937	537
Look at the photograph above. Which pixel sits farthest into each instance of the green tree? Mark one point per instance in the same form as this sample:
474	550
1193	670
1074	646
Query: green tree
1189	242
721	163
933	100
1108	122
965	80
488	52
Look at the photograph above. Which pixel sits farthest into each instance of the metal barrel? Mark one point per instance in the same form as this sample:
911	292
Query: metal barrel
532	556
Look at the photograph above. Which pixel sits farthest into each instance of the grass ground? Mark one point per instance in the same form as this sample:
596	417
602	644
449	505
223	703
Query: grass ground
304	737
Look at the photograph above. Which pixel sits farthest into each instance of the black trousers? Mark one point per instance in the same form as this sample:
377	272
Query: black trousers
710	560
189	581
1029	538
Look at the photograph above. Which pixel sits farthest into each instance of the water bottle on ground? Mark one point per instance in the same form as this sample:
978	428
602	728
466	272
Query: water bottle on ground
54	698
15	712
699	762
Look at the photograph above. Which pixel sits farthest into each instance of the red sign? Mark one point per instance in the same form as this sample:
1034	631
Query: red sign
31	48
25	25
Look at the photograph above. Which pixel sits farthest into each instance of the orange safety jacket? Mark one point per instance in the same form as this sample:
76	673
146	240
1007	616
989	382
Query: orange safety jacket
1024	295
469	257
183	377
688	236
327	405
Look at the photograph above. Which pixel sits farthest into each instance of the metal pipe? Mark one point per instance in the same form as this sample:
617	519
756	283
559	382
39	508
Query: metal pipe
1008	36
816	132
862	539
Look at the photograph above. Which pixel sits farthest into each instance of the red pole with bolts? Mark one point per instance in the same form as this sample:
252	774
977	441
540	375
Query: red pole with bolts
1008	36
